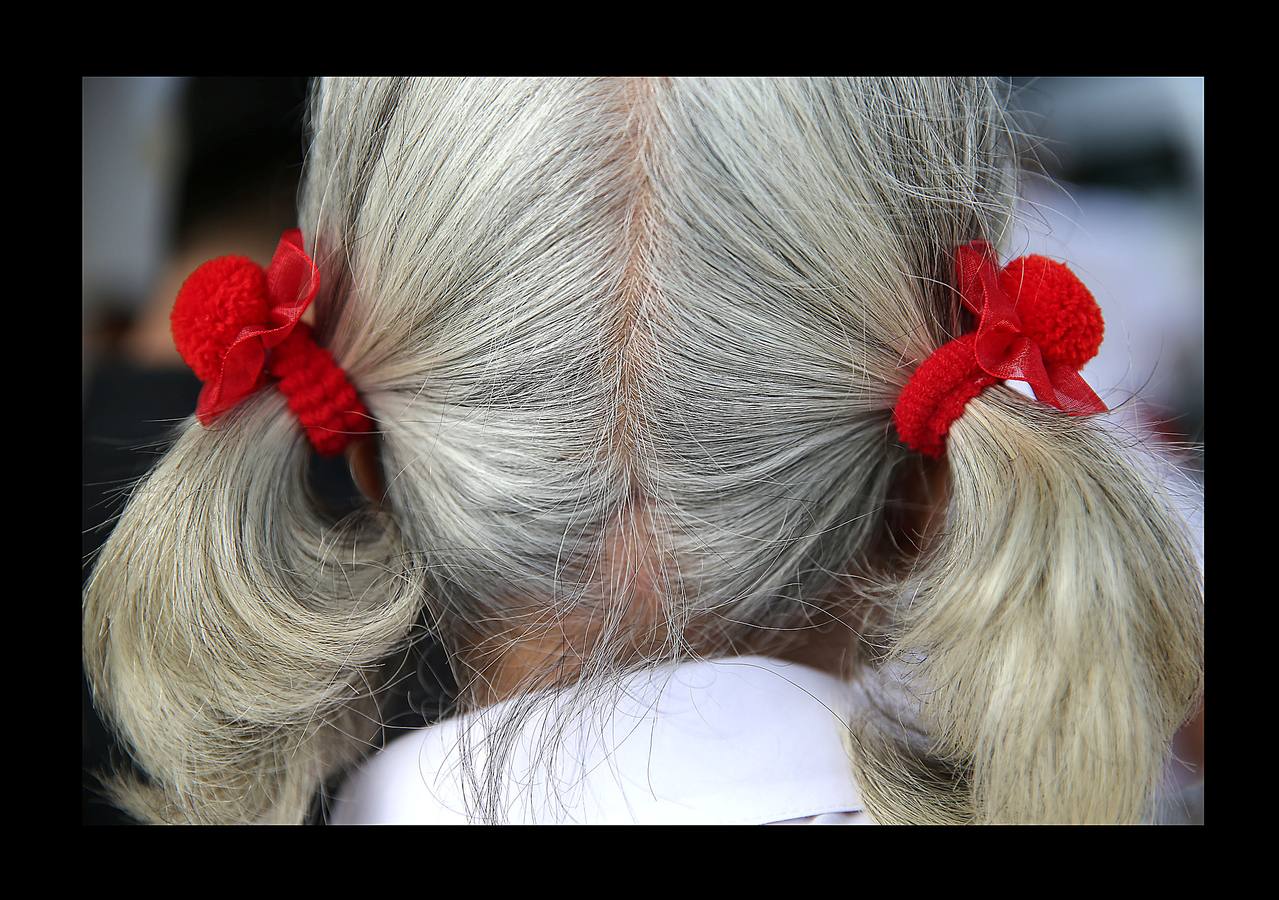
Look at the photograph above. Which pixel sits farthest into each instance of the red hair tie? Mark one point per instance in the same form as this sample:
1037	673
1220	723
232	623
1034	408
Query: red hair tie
1036	323
235	323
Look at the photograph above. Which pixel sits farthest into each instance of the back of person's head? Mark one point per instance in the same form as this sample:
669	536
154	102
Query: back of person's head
632	349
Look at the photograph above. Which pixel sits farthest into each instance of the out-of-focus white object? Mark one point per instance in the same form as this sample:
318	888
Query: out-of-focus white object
130	155
1079	121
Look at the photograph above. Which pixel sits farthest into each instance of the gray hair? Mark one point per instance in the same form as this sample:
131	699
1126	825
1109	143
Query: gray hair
632	347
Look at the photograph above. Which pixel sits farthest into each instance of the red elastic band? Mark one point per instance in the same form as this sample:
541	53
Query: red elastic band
1036	323
236	324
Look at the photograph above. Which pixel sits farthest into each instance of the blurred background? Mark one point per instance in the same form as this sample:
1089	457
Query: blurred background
178	170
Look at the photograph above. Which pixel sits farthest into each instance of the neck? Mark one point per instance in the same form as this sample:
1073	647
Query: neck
500	667
497	667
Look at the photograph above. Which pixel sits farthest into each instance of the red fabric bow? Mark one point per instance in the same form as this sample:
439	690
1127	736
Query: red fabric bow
1036	323
1003	348
292	281
237	325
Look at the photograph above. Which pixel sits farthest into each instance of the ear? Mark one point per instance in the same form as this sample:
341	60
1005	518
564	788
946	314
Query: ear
366	468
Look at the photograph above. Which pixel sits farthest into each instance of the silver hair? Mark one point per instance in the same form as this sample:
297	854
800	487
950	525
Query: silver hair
632	347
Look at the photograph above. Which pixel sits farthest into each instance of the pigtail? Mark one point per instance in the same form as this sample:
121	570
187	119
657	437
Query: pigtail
234	639
1050	639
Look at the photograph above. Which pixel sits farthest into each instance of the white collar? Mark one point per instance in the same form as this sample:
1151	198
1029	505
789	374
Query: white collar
745	740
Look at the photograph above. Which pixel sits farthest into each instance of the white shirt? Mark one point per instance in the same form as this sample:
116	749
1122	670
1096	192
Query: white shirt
740	741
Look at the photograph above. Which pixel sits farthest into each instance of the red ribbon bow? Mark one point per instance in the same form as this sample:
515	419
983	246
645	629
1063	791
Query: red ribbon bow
1036	323
231	314
292	281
